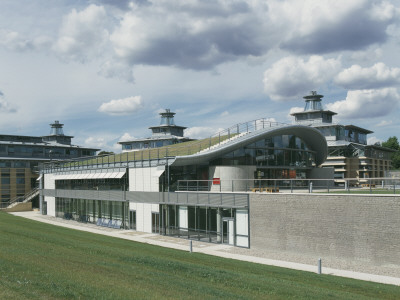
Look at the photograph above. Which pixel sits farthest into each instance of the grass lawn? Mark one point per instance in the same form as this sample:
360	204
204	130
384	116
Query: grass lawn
41	261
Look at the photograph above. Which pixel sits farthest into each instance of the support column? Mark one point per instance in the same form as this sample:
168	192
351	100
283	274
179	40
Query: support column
219	225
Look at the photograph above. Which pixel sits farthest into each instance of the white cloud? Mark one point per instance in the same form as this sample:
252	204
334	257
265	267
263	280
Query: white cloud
117	69
201	132
224	114
193	35
377	76
96	142
124	106
82	34
368	55
384	123
296	109
319	27
366	103
5	106
291	77
13	41
126	137
373	140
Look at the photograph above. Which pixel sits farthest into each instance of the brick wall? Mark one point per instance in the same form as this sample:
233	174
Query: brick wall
358	227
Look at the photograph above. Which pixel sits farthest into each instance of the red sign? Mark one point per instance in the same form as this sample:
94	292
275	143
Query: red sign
216	181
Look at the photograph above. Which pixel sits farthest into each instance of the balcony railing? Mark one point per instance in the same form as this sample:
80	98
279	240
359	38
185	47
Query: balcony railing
143	156
340	185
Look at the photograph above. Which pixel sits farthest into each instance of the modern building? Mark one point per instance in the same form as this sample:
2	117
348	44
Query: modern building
210	190
147	190
349	154
20	157
167	133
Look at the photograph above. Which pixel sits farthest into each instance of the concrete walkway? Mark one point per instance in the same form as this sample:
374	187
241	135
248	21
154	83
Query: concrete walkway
220	250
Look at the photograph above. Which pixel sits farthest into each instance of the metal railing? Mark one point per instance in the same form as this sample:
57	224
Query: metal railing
345	185
20	199
162	153
194	199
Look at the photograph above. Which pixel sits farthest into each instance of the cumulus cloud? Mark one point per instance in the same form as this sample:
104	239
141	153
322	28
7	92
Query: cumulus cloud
201	132
124	106
14	41
292	77
384	123
126	137
82	34
328	26
377	76
96	142
193	35
296	109
373	140
366	103
123	4
5	106
115	69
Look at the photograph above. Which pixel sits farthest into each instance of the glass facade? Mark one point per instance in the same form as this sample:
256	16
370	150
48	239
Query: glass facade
105	184
90	211
278	157
278	151
203	224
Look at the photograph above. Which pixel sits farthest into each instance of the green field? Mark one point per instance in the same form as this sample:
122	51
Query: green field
40	261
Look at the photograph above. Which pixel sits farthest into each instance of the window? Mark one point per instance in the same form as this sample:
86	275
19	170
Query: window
5	180
5	164
20	164
20	180
5	198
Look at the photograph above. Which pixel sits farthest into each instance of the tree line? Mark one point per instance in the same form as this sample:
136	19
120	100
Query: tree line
393	143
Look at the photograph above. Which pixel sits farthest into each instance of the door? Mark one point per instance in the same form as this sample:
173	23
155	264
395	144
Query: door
132	219
155	219
228	231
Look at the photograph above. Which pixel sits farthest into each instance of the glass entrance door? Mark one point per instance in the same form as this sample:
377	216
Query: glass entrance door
132	219
155	220
228	231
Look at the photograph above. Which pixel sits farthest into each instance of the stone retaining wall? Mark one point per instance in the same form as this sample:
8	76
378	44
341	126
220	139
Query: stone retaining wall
352	227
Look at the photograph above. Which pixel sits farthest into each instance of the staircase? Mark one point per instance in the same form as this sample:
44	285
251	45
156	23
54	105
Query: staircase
21	201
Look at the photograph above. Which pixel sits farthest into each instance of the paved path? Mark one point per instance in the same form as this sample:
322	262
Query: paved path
220	250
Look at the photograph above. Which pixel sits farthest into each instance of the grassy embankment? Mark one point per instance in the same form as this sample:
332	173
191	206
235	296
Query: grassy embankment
40	261
181	149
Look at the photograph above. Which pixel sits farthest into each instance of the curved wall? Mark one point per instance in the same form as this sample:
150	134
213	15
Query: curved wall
227	173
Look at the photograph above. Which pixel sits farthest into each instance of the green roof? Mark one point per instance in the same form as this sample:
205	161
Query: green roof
180	149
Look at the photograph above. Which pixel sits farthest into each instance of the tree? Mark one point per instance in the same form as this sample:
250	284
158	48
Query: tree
393	143
396	160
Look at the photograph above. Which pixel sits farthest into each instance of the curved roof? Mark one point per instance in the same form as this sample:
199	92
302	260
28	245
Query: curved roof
311	136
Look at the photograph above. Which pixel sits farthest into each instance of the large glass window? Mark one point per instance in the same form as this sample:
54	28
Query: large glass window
284	150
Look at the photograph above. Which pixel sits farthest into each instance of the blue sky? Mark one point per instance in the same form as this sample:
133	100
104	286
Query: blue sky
107	68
